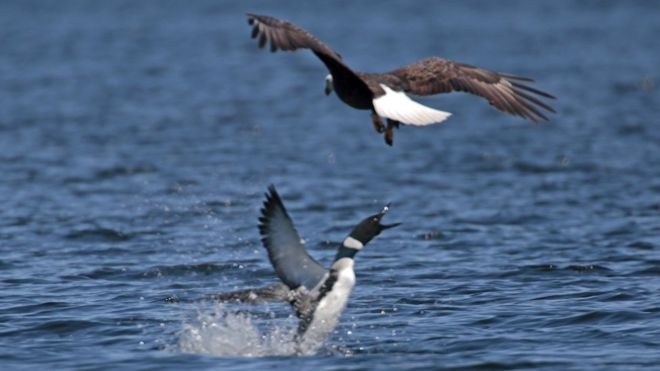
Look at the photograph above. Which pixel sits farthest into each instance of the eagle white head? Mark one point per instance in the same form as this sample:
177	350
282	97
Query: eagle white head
329	87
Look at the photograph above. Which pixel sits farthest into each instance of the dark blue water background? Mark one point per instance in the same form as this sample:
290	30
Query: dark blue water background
137	139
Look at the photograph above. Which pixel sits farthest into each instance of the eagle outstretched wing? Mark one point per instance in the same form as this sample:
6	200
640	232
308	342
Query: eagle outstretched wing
507	93
284	35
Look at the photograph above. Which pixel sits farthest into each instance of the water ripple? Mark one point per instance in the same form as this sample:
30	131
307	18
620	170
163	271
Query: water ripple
137	142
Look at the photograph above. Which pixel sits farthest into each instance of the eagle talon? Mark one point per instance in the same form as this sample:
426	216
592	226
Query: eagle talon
389	132
389	136
378	123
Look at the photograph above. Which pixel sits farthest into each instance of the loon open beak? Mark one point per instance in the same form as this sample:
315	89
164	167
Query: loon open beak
382	214
388	226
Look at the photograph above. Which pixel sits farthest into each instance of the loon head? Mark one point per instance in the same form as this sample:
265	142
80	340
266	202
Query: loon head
329	87
364	232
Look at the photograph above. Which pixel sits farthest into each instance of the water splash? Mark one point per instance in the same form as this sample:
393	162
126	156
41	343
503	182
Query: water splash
239	334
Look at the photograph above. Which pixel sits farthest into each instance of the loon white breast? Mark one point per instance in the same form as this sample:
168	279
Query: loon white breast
317	324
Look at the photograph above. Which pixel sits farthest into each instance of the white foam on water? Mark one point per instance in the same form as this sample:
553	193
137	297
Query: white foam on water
226	333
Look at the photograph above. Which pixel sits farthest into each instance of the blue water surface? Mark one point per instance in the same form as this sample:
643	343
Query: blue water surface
137	140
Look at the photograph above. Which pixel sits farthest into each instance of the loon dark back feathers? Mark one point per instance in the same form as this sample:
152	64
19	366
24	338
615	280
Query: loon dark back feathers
385	94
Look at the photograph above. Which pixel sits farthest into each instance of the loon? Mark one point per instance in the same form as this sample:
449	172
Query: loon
318	295
385	94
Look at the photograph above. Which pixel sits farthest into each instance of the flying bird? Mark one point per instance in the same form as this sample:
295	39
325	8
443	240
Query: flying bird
318	295
386	94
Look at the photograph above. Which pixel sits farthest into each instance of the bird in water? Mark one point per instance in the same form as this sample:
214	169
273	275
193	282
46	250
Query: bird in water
386	94
318	295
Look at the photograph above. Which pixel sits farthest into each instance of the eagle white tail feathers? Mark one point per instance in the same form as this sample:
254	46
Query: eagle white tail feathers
398	106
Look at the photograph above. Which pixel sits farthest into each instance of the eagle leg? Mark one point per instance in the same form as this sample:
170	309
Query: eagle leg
378	123
389	132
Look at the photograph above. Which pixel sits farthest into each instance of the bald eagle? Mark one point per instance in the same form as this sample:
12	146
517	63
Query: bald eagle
385	94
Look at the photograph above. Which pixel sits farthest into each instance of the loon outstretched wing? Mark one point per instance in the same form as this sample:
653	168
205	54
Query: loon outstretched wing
286	250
